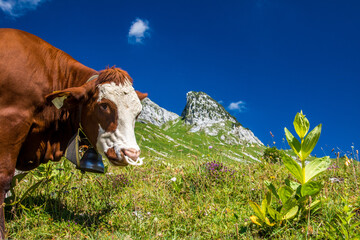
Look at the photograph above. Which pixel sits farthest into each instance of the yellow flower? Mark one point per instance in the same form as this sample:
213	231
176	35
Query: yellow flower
348	161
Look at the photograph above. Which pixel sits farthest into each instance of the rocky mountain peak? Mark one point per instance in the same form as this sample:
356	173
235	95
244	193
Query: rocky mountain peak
204	113
201	110
153	113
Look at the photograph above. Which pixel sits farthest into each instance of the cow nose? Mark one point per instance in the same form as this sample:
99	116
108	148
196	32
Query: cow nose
132	153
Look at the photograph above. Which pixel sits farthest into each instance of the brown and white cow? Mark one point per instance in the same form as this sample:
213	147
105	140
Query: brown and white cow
33	76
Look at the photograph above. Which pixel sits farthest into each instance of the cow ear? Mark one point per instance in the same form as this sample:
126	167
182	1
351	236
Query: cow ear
141	95
71	97
68	97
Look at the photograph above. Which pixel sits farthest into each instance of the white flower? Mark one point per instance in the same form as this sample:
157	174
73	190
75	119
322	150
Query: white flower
173	179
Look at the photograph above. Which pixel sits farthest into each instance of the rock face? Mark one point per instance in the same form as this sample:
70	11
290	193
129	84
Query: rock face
153	113
244	135
204	113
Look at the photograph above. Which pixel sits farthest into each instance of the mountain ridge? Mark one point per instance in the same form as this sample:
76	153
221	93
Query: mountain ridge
202	114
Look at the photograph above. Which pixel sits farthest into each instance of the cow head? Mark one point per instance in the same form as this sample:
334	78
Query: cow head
108	108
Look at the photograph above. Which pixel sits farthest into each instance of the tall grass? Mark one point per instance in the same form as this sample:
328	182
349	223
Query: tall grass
176	198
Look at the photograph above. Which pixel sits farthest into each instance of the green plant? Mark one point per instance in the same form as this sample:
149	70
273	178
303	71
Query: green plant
297	198
344	225
43	174
272	155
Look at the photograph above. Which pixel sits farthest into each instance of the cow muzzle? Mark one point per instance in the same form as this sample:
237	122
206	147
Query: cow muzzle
131	153
124	157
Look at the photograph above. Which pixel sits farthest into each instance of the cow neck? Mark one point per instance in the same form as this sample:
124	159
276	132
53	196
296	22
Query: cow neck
92	78
75	74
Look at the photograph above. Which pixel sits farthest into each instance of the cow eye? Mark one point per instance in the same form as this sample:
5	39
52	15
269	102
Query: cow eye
104	107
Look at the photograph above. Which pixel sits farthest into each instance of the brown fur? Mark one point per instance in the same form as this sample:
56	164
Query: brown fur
115	75
32	130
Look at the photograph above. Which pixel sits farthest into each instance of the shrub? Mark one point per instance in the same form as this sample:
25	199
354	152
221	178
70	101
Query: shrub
272	155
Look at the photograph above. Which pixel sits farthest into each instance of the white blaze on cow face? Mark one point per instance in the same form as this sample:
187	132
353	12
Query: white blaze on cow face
128	107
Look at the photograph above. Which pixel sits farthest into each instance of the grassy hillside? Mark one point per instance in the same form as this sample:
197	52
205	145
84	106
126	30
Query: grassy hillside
175	140
184	190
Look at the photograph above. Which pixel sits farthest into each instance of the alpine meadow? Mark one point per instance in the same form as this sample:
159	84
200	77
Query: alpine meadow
205	176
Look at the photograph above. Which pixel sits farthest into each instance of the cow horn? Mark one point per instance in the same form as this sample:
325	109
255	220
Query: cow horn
141	95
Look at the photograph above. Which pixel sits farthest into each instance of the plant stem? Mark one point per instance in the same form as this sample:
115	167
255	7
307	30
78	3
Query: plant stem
307	230
353	165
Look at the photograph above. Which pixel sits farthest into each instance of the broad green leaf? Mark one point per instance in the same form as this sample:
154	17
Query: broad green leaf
291	213
273	213
255	220
294	168
301	125
266	202
268	198
293	142
300	197
258	211
310	142
292	184
315	167
285	192
310	188
289	204
313	205
16	179
272	188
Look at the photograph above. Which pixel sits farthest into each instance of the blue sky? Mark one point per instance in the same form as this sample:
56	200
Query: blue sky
264	60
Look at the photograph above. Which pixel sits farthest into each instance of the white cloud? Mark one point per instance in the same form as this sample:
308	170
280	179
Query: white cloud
237	106
17	8
139	30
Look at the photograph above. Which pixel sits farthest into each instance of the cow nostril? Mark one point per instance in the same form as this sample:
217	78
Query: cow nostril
131	153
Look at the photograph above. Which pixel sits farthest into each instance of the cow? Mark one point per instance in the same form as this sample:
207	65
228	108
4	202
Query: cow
46	96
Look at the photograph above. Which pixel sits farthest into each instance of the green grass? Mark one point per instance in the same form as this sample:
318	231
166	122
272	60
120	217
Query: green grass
152	206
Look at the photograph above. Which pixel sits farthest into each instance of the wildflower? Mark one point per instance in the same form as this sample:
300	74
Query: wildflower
120	181
336	180
348	161
210	147
138	214
173	179
334	166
